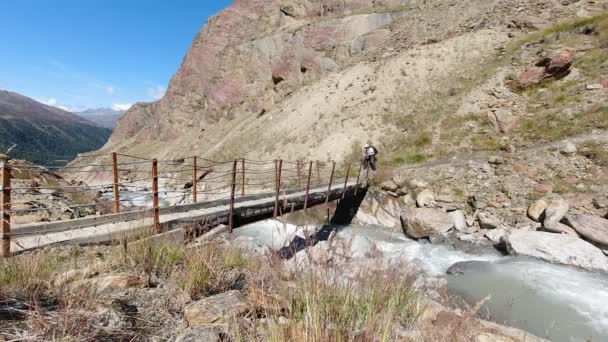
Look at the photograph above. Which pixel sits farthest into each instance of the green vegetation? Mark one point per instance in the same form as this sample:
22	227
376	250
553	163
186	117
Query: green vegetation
485	142
593	63
21	276
40	144
341	312
210	270
600	21
595	152
551	128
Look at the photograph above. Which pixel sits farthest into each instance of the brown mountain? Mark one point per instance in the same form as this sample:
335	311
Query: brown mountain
314	79
45	134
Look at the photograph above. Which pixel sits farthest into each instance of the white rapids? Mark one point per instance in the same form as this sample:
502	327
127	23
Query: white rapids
559	303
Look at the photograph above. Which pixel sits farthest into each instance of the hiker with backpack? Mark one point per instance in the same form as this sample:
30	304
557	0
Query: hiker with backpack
369	157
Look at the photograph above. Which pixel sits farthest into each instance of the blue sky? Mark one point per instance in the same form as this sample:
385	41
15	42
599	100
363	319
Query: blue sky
80	54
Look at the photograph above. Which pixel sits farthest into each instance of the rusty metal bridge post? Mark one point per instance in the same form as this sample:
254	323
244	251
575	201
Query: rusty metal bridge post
243	177
5	204
358	178
194	180
346	180
308	185
318	173
299	175
115	185
331	180
278	170
155	209
232	191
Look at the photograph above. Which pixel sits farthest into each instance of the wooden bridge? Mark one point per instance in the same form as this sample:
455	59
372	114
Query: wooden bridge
209	193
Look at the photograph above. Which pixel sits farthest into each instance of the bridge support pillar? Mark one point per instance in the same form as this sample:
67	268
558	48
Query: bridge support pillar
347	208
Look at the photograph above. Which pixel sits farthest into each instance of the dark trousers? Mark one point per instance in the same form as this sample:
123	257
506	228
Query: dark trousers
370	161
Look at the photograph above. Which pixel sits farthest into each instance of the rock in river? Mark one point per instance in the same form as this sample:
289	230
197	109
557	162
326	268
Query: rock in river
423	222
557	248
593	228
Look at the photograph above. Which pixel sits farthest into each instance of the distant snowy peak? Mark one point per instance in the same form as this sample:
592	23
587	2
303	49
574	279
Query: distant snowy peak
105	117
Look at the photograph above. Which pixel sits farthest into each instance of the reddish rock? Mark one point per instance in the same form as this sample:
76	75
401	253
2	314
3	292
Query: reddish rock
604	82
529	78
571	180
580	200
556	65
544	188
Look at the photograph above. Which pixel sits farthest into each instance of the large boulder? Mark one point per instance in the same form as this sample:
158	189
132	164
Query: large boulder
389	185
557	248
502	120
423	222
537	210
426	199
458	219
556	65
554	213
488	221
593	228
529	78
220	308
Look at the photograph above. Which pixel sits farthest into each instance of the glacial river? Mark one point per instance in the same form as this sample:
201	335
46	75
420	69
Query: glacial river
555	302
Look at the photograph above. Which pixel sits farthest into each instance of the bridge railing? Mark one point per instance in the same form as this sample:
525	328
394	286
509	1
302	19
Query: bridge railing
81	188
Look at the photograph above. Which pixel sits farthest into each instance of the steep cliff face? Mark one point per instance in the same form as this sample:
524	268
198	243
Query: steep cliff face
246	51
313	77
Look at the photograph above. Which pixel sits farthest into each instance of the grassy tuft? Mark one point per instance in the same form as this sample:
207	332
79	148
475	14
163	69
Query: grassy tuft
566	27
595	152
313	308
211	269
27	275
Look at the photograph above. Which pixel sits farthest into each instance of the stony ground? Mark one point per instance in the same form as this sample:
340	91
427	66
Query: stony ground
214	291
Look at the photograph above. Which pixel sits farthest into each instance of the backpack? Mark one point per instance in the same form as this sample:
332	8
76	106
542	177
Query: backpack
375	149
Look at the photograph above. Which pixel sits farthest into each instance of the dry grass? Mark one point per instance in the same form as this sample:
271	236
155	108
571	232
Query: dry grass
595	152
599	22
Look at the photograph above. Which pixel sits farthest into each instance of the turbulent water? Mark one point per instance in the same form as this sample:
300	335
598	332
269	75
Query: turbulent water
555	302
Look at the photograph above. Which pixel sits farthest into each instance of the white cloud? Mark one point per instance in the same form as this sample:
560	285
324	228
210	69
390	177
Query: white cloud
110	90
50	102
121	106
156	92
54	103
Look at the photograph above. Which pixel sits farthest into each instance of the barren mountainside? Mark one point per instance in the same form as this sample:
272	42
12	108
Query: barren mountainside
314	79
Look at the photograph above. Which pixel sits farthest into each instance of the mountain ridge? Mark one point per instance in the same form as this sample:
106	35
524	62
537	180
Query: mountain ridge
45	134
104	117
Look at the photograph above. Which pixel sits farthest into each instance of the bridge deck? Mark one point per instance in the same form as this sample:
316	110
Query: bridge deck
112	227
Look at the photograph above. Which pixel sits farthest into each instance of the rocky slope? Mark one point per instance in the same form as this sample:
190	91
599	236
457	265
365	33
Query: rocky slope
314	78
41	132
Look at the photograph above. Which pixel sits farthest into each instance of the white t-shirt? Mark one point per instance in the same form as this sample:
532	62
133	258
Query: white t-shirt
370	151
